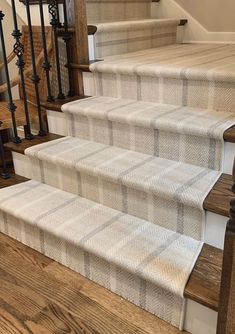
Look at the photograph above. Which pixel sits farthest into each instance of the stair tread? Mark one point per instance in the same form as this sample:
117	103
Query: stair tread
218	199
107	310
204	283
21	147
165	117
178	61
93	221
137	170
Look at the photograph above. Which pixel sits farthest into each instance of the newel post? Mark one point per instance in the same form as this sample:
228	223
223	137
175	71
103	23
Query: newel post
226	316
77	18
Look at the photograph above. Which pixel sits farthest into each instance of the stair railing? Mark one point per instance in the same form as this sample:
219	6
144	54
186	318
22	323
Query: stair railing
44	77
226	314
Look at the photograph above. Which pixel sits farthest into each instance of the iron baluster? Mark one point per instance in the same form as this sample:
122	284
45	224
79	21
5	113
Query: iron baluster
11	105
19	51
35	77
67	39
53	6
46	64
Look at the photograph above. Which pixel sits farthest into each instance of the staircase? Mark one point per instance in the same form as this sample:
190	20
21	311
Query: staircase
120	194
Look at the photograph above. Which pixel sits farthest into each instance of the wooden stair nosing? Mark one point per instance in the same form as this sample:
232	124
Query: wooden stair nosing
229	135
203	285
21	147
56	105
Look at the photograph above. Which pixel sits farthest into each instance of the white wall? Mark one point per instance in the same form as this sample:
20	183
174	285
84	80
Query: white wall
195	31
20	8
214	15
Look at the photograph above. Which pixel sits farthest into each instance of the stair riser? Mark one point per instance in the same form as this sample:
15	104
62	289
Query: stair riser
182	92
108	11
112	42
167	145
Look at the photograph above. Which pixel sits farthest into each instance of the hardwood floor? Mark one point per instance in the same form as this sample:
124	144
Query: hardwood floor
40	296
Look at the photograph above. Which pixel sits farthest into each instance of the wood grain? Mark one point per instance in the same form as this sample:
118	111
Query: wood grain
229	135
218	200
21	147
56	105
204	283
62	301
226	316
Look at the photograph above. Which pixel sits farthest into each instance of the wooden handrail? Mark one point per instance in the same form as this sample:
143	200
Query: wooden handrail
9	59
226	316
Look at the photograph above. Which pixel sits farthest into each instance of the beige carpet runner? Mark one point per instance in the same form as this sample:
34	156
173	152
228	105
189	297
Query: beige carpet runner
125	254
120	199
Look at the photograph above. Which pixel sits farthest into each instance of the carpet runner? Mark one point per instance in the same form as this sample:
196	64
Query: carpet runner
127	36
117	10
120	200
127	255
167	131
195	75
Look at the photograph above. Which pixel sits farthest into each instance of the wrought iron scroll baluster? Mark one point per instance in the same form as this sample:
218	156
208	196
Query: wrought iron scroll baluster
11	105
53	10
46	64
19	51
67	39
35	77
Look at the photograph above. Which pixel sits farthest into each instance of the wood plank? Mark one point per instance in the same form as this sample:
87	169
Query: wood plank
21	147
229	135
68	305
218	200
84	67
204	283
14	179
226	319
120	307
24	252
54	319
56	105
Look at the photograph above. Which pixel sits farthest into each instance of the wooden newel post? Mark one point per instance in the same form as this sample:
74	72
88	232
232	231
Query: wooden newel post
226	316
76	13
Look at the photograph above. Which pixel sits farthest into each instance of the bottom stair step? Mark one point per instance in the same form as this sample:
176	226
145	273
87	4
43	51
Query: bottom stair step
58	300
142	262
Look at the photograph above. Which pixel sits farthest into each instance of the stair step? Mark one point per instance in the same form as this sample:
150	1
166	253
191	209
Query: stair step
220	196
108	11
217	201
21	147
176	74
127	36
204	283
164	130
57	285
107	246
125	180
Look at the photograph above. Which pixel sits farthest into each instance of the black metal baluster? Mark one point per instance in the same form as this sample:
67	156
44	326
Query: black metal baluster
67	39
19	51
5	174
35	77
53	7
11	105
46	64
